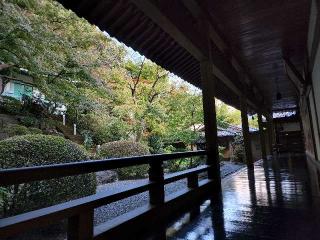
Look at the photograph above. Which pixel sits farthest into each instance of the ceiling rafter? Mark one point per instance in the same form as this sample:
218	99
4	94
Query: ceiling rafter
172	24
199	12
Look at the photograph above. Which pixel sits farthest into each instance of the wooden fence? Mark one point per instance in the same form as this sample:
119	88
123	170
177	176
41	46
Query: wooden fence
79	213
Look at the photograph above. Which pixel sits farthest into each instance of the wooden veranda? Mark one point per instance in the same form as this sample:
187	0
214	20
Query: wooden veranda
258	56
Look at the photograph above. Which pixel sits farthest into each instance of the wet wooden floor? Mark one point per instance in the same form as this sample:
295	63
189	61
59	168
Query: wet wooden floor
272	202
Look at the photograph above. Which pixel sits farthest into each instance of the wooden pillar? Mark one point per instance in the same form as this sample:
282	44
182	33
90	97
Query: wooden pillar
270	134
262	138
208	82
245	132
210	122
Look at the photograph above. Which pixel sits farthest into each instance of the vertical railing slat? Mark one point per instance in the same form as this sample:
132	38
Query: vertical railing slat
156	175
80	227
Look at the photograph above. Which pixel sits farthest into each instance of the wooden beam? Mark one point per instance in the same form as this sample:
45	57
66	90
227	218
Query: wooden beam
154	13
186	36
197	11
246	133
294	75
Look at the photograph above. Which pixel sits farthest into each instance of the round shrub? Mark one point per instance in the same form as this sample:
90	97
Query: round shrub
35	150
119	149
16	129
33	130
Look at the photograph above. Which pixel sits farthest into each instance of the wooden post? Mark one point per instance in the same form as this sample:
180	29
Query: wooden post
156	193
208	82
245	132
262	138
193	183
80	227
270	134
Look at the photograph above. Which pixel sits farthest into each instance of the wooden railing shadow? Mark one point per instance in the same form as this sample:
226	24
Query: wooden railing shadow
80	212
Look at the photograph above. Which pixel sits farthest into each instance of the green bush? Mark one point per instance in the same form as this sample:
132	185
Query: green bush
119	149
29	121
33	130
238	149
11	105
88	142
15	129
35	150
48	123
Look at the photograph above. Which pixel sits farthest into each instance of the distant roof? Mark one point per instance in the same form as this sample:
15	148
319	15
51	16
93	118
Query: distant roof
19	77
233	130
229	131
20	74
284	114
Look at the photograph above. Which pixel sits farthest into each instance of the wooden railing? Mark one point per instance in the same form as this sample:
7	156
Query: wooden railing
80	212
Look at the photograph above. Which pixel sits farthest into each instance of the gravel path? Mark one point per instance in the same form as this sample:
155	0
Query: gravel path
118	208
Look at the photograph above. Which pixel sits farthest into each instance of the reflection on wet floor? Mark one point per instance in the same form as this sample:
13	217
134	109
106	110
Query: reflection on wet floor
271	202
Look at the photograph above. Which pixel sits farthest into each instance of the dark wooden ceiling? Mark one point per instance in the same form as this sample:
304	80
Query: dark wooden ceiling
260	32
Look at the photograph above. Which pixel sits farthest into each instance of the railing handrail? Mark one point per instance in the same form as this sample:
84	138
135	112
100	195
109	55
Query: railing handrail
58	212
80	212
28	174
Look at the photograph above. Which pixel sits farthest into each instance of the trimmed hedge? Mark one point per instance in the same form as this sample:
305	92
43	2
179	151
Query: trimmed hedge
119	149
16	129
33	130
11	105
34	150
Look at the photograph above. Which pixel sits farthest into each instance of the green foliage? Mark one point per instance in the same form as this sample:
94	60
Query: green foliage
184	117
155	143
29	121
227	115
253	121
221	150
88	141
16	129
64	54
238	149
33	130
11	105
119	149
35	150
3	195
48	123
110	95
102	128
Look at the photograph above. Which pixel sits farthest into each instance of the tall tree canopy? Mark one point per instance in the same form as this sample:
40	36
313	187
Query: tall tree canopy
112	95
